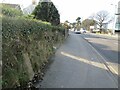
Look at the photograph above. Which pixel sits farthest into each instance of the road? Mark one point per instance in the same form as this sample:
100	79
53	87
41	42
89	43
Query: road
77	64
107	47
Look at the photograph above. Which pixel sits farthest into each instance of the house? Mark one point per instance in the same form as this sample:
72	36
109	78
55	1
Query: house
16	6
30	8
117	24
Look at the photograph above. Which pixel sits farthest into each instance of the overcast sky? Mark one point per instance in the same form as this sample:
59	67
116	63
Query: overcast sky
71	9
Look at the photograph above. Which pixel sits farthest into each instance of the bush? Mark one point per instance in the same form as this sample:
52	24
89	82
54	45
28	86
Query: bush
26	39
46	11
10	12
28	16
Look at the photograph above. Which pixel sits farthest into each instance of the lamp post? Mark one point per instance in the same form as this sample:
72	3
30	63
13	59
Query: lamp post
114	21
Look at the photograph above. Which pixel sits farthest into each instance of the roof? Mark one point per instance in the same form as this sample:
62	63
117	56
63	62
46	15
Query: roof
29	9
16	6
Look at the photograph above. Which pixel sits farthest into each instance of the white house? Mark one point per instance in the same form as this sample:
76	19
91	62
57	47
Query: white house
117	24
30	8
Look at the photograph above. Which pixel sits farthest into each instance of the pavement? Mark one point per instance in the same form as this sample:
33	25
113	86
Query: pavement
77	64
107	36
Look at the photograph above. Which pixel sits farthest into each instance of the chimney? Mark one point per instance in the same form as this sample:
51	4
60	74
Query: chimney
34	2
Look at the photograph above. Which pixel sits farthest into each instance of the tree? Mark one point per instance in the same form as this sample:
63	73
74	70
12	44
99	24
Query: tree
101	17
73	25
78	23
66	24
87	23
78	19
46	11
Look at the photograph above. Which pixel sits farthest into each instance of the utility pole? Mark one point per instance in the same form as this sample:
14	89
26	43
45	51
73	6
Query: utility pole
114	21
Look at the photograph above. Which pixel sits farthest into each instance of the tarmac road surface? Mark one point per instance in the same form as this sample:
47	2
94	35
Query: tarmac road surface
77	64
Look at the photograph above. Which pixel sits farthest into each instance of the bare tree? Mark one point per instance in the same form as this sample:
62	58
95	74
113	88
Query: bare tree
101	17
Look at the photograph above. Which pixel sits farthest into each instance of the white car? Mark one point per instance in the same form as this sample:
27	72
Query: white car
77	31
82	30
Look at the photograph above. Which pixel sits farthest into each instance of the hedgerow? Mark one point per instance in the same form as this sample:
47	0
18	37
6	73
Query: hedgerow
23	41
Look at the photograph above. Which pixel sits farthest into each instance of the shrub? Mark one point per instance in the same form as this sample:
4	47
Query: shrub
29	37
46	11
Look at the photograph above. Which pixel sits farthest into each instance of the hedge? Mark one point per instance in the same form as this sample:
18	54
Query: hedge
27	45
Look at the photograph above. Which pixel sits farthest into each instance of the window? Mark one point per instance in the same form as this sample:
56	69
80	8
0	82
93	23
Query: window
117	26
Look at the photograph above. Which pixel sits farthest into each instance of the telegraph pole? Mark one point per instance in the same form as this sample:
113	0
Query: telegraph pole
114	22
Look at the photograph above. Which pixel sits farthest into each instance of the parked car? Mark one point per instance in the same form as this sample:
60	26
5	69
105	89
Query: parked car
82	30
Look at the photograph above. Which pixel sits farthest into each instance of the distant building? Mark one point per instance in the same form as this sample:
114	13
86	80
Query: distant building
105	26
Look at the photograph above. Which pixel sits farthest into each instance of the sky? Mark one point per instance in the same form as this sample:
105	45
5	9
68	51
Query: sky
71	9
